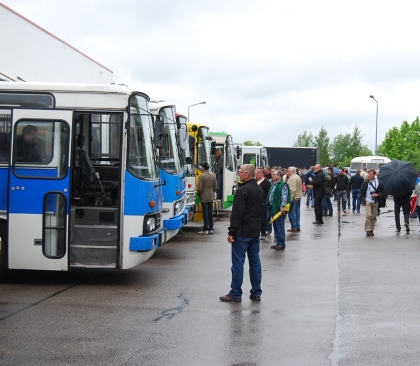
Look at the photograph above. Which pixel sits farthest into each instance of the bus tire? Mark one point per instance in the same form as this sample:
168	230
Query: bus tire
4	267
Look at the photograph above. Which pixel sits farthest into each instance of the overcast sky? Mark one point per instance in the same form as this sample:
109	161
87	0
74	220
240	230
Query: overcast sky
268	70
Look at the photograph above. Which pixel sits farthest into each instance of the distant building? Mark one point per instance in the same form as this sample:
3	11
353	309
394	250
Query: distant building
30	53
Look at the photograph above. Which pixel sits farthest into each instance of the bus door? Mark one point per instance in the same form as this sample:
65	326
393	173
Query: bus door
39	189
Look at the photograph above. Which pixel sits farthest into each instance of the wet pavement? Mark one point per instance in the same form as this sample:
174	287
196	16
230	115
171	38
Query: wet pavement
333	297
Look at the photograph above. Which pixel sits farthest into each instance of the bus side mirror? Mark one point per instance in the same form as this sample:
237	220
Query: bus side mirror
213	147
159	132
188	160
238	152
182	135
191	144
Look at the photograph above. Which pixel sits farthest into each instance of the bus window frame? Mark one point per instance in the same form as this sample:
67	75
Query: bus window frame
40	166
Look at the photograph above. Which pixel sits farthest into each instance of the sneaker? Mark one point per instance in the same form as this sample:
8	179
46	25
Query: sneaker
229	298
407	227
278	247
344	212
211	231
204	232
263	237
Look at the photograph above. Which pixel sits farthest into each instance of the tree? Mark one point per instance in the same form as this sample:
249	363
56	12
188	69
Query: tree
322	141
251	143
304	140
399	142
365	151
346	147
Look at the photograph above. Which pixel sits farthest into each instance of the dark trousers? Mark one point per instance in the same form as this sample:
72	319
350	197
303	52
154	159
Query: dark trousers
406	212
264	221
318	209
207	215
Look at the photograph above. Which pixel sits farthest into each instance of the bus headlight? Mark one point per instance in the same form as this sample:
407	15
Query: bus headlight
150	224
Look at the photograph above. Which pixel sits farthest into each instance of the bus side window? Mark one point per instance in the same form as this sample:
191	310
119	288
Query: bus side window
4	147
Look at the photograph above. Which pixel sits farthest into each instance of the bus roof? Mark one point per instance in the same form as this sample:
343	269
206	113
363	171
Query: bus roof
67	87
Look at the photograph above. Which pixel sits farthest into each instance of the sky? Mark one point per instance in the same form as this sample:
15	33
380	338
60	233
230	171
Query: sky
268	70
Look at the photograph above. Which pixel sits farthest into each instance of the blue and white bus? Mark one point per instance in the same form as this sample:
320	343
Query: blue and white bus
79	180
171	169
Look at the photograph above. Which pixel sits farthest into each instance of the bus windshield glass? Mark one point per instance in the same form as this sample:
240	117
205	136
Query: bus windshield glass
204	147
230	161
141	161
169	157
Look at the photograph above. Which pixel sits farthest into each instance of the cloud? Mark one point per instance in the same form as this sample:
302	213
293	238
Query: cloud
267	70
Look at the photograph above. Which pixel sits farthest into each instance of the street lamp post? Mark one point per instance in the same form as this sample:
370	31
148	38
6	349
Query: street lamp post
192	106
376	137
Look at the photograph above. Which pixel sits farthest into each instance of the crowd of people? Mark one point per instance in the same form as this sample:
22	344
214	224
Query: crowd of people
267	195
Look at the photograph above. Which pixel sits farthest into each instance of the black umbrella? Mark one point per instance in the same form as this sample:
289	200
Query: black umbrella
398	177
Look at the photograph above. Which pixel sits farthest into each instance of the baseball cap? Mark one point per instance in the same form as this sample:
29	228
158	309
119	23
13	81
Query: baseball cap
205	165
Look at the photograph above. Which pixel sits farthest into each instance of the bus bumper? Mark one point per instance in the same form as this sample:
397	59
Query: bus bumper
176	223
147	243
192	209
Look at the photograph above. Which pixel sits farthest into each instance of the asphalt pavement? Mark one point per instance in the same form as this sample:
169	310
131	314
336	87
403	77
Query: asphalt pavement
333	297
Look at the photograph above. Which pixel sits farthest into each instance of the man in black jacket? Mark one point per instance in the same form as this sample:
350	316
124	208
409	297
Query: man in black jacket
319	192
265	185
342	186
356	182
244	235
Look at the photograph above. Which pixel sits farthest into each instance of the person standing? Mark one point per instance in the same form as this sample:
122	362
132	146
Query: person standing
295	186
218	165
277	199
265	185
329	184
346	173
206	187
319	192
342	188
309	187
404	203
244	235
356	182
371	190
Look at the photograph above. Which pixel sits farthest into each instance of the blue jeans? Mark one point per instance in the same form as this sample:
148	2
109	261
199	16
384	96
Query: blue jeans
269	226
310	196
207	215
250	246
279	231
356	199
327	208
294	214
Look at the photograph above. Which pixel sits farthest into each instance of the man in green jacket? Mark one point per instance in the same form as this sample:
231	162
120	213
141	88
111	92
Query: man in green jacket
277	198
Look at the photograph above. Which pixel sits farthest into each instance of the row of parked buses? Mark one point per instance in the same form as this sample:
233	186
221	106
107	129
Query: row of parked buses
97	176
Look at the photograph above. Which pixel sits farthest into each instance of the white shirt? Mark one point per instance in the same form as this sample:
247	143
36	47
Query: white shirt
375	184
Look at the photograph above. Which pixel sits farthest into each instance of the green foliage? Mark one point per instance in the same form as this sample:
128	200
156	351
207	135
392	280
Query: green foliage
399	143
322	141
413	156
340	151
251	143
304	140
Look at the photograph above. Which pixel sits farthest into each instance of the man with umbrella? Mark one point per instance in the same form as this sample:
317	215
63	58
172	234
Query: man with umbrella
399	179
372	191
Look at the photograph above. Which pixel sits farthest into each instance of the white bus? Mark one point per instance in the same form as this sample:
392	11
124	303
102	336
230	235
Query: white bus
369	162
255	155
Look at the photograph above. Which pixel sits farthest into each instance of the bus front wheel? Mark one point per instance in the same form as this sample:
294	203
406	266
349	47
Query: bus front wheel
4	268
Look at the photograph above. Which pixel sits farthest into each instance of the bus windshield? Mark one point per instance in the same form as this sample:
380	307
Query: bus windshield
141	161
204	147
169	157
230	161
